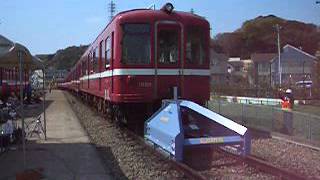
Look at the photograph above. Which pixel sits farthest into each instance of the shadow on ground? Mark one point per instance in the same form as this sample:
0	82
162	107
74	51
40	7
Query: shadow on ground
62	161
34	110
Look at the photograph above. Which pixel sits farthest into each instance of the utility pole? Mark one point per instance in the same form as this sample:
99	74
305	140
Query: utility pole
111	9
278	27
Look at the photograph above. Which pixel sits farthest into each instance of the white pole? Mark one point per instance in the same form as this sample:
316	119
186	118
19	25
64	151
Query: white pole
279	56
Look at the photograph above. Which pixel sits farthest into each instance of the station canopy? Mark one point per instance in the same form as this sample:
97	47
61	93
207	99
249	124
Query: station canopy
9	55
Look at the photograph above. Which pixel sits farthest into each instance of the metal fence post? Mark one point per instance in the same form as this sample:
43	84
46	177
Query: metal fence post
219	104
272	119
242	112
309	129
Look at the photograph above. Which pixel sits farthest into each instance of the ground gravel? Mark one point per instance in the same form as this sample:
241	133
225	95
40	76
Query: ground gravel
122	154
127	159
290	156
223	166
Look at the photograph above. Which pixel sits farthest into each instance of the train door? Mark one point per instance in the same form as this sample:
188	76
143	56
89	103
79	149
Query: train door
168	64
108	66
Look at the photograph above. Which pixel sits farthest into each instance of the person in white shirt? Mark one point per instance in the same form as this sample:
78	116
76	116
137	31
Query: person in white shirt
7	130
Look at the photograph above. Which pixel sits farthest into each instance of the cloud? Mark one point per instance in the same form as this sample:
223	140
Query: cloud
93	19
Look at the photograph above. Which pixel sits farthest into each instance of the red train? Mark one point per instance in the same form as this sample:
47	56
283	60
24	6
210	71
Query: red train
139	57
9	81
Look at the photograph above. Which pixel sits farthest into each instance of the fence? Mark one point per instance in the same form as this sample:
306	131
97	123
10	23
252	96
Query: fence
270	118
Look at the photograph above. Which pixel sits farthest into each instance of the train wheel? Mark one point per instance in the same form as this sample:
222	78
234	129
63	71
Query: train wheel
109	111
100	105
119	116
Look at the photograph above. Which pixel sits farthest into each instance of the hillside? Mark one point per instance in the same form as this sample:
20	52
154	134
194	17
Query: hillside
63	58
259	35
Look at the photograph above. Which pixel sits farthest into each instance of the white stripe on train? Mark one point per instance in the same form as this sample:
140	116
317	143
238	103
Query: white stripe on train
148	72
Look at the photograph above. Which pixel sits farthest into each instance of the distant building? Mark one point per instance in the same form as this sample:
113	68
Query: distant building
296	66
218	68
237	65
55	75
262	68
240	70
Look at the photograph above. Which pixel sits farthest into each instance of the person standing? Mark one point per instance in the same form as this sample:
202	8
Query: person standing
286	105
50	86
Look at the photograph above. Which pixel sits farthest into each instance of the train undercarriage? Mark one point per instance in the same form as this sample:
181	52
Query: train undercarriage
131	115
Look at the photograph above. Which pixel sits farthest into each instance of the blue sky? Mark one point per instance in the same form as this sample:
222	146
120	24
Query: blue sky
46	26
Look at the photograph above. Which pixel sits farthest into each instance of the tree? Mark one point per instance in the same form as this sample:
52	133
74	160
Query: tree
258	36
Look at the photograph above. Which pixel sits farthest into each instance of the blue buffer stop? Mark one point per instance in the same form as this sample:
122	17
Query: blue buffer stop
179	124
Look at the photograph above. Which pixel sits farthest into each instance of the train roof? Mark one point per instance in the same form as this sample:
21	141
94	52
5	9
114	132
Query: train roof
152	15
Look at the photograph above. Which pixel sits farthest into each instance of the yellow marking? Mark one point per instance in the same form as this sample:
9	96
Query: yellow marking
211	140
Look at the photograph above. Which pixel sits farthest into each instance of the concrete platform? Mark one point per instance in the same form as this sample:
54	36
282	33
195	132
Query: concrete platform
67	153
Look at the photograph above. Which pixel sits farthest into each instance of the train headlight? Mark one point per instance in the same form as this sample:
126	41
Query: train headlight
168	8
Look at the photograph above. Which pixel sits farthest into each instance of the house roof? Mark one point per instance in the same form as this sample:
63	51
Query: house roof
262	57
299	50
290	52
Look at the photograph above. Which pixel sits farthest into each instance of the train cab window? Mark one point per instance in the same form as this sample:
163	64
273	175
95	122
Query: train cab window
136	44
108	51
195	47
168	46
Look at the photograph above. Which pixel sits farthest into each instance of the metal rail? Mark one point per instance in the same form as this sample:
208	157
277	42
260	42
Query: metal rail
189	172
267	167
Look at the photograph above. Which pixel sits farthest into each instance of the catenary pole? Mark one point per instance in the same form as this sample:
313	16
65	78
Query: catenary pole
20	53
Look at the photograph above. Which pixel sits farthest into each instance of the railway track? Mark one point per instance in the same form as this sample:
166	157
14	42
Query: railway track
192	173
252	161
267	167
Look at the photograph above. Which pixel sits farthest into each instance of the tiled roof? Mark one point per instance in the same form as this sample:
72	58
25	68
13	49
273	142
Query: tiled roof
262	57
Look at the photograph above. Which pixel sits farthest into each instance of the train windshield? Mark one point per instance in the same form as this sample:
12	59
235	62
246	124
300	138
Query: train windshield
195	53
168	46
136	44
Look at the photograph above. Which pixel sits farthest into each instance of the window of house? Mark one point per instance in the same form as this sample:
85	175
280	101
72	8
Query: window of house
195	53
136	44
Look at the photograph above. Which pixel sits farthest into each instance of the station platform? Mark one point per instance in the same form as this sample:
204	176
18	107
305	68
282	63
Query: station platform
67	152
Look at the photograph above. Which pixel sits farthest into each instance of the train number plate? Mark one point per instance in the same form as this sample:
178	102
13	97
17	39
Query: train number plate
145	84
211	140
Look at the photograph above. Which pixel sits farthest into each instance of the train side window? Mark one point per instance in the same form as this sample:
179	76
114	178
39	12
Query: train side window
88	63
95	60
195	53
168	46
136	46
108	51
101	54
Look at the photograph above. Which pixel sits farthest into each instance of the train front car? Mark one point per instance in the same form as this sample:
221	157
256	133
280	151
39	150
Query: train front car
139	57
158	50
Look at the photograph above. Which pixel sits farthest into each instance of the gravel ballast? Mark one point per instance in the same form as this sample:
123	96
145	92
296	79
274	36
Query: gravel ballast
128	159
122	154
290	156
